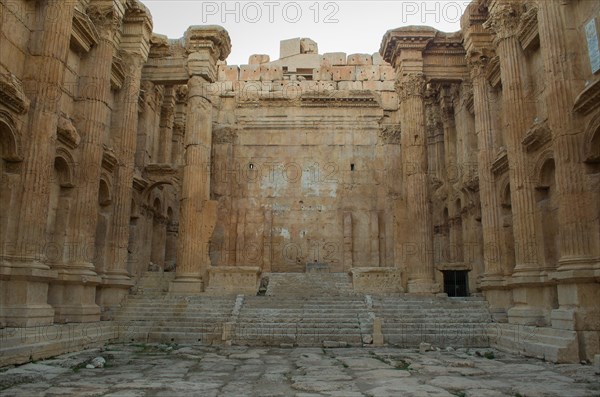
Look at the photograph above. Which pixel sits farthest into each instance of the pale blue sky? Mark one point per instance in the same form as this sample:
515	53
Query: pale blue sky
256	27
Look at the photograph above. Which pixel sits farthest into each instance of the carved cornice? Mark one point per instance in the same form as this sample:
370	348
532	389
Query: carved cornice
493	72
408	37
11	93
390	134
467	97
139	184
117	75
412	85
500	165
210	37
528	29
537	136
504	19
109	159
67	133
341	99
589	99
84	34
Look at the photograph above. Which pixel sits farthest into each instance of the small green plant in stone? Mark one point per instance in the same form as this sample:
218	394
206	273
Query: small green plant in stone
459	393
402	365
489	355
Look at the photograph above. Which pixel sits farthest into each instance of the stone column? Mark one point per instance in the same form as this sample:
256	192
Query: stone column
116	279
578	294
493	277
197	216
23	275
73	294
419	242
167	115
518	111
134	51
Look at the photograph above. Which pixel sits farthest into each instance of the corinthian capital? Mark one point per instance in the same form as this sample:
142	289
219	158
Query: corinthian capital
106	18
478	61
504	18
412	85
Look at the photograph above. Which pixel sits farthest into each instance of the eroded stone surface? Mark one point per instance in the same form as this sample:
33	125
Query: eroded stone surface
168	370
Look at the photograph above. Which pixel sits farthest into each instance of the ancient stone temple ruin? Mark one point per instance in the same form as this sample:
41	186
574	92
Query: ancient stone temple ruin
448	182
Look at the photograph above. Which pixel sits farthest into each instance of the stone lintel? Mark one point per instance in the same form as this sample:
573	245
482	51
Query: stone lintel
167	71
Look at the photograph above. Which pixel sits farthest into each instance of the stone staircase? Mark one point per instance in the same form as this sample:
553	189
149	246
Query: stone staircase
302	321
310	284
150	315
309	309
443	322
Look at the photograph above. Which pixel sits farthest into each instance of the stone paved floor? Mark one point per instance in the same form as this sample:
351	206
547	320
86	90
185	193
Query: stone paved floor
162	370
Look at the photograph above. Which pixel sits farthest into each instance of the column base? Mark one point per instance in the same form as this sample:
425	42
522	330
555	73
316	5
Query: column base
533	304
24	295
423	287
188	285
498	296
111	292
73	297
579	311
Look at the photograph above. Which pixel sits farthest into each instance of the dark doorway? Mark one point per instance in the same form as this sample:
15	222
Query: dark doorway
456	283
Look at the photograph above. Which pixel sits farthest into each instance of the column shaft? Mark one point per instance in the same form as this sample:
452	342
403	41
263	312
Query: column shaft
419	244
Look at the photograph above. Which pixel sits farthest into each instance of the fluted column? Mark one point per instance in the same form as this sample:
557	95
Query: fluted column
578	294
419	242
517	118
167	117
116	279
532	296
563	82
24	281
135	43
73	294
486	147
197	212
493	282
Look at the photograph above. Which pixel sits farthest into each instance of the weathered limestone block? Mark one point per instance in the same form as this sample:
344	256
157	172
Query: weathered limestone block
359	59
377	332
387	72
367	72
271	72
258	59
333	59
380	280
350	85
323	73
250	72
233	280
389	101
378	59
343	73
326	86
378	85
229	73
